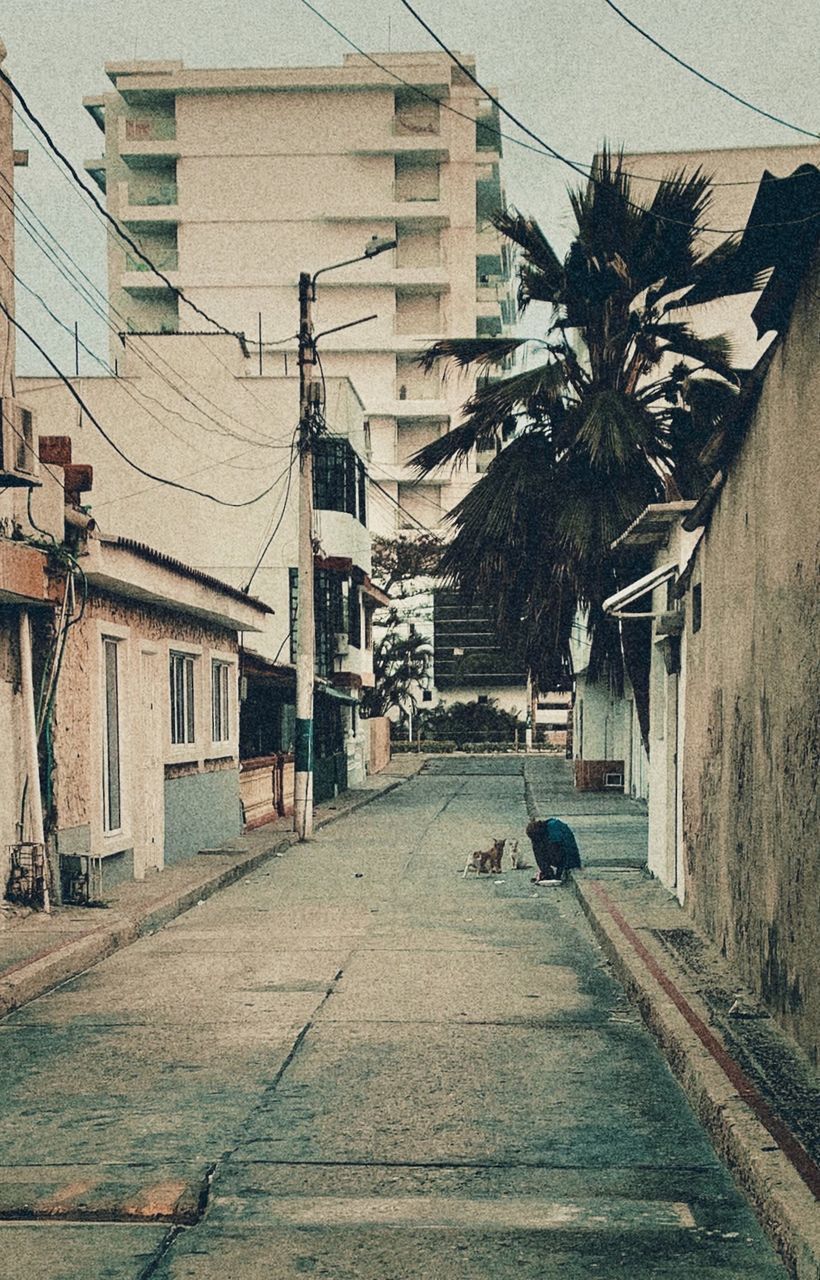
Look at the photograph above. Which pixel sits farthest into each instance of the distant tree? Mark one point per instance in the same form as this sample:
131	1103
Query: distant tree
398	667
462	722
397	561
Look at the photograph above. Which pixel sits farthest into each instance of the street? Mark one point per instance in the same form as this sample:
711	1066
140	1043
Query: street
357	1062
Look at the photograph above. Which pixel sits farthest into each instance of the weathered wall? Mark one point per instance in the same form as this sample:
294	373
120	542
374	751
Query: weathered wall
202	811
214	816
753	674
11	737
379	758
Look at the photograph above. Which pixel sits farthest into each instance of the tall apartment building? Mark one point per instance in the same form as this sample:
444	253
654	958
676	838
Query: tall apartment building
233	181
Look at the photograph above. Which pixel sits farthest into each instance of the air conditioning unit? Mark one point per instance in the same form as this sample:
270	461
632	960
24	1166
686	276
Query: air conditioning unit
18	447
614	781
341	644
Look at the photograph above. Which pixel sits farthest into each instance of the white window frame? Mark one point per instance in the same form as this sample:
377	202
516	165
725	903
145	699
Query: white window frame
112	644
223	671
103	841
188	751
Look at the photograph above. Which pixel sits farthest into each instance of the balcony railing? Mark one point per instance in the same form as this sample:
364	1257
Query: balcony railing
418	126
167	261
153	129
164	194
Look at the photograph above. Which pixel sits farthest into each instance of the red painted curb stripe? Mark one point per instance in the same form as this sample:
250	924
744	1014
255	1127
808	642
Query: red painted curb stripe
797	1155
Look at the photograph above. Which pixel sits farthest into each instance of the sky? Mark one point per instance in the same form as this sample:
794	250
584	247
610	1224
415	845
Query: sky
571	69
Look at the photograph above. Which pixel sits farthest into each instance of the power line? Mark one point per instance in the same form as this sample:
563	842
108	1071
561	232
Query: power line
97	308
454	58
174	484
124	236
706	79
278	523
487	126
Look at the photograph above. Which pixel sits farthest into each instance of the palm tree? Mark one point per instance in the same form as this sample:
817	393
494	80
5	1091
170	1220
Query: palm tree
612	418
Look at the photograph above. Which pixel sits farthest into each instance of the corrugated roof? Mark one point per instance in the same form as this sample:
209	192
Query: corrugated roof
177	566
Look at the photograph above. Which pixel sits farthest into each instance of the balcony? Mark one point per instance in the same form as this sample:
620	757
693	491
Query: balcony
144	141
159	207
434	279
439	410
433	213
427	145
95	106
96	171
138	278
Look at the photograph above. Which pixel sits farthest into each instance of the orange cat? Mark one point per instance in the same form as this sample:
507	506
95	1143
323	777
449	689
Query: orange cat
486	860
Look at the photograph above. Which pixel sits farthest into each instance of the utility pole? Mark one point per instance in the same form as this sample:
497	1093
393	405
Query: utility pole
305	636
7	337
305	622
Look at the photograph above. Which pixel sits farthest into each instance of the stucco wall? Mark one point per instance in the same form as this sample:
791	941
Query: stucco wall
202	811
77	738
753	674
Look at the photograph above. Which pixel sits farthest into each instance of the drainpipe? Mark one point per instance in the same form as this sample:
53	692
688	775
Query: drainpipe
35	803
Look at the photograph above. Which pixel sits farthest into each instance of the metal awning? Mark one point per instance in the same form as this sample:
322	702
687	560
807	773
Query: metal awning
337	694
616	605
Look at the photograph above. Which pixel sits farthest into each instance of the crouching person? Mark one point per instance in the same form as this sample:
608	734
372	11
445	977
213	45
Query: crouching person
555	849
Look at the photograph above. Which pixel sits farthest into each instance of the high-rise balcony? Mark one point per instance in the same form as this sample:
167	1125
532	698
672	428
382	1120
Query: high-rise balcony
96	171
427	145
138	278
157	205
143	141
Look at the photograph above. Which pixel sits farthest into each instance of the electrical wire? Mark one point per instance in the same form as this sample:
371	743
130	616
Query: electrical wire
84	293
590	177
487	127
124	236
173	484
278	523
706	79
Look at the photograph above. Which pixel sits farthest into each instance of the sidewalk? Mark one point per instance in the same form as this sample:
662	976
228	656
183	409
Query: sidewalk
753	1091
39	951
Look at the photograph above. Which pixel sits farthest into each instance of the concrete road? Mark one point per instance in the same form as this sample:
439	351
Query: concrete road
357	1063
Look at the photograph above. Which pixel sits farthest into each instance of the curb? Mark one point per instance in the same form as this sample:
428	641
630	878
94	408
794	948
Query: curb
34	977
781	1199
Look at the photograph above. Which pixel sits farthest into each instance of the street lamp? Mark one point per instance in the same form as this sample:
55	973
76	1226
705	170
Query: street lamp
305	635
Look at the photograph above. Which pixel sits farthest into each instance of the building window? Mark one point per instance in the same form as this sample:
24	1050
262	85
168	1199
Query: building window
182	698
427	695
112	793
697	607
220	702
483	699
354	616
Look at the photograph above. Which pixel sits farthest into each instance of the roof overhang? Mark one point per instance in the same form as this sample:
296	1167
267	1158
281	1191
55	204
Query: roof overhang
616	605
136	572
651	528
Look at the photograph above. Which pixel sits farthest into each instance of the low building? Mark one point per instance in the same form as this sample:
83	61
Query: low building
196	409
733	797
146	702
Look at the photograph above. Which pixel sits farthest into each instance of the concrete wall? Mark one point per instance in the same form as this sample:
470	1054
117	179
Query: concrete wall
753	674
12	767
379	749
202	811
173	797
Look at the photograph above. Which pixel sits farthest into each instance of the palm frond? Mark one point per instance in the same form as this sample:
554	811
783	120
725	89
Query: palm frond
728	269
456	445
485	353
612	431
714	352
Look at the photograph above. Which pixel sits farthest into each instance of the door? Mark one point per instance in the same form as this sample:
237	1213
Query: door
149	771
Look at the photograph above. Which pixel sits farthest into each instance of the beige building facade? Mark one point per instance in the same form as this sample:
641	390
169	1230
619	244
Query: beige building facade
233	181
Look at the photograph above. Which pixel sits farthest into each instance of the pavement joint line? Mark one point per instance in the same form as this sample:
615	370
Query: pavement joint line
127	927
458	1166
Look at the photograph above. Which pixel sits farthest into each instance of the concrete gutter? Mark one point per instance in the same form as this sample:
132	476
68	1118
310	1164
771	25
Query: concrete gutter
135	915
778	1176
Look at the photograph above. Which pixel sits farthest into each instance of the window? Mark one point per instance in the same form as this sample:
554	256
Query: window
697	607
182	698
112	797
220	703
354	620
427	695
